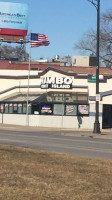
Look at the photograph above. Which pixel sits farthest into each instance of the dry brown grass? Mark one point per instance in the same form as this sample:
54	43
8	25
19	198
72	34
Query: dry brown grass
27	174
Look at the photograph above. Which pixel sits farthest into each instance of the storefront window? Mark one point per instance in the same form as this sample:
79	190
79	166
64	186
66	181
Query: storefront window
15	108
71	110
19	108
6	107
58	109
35	109
2	108
10	108
24	108
83	109
46	109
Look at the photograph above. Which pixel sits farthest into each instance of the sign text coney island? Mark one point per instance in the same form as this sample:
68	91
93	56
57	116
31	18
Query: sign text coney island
56	82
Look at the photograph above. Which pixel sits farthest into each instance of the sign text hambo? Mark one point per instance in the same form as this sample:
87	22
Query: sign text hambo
56	82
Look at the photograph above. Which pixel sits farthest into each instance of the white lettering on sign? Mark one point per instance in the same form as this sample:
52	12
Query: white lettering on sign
56	82
68	80
59	80
61	86
47	80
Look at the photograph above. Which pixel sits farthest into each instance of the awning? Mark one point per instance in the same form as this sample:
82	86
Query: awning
20	97
52	96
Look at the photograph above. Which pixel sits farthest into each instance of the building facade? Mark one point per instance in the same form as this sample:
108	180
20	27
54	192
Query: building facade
54	98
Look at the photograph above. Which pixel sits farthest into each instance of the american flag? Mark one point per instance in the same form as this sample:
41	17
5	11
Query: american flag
69	108
38	39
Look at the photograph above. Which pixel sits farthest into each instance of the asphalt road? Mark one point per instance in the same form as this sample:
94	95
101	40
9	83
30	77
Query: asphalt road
64	141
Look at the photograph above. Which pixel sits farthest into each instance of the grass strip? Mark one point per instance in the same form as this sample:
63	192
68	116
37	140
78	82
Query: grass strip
27	174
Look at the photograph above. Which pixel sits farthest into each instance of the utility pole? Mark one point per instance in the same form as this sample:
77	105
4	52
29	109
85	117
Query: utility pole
96	3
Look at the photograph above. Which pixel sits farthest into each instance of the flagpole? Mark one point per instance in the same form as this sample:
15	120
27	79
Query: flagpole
36	40
29	63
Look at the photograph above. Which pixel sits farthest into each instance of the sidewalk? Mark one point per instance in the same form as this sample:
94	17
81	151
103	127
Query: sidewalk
105	133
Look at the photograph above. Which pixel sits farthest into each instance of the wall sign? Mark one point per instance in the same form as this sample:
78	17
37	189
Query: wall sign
56	82
83	109
13	18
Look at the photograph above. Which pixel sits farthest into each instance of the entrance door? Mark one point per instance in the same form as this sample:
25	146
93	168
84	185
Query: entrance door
107	116
35	108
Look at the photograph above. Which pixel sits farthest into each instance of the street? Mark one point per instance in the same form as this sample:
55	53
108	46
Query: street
56	140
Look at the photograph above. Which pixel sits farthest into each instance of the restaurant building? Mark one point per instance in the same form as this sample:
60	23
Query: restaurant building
62	97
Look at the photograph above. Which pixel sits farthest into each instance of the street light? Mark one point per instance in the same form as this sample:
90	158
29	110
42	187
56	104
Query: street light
96	3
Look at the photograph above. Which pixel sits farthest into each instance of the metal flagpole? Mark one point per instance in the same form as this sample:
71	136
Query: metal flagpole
27	113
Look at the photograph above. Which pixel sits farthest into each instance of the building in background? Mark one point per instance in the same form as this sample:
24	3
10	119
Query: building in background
84	61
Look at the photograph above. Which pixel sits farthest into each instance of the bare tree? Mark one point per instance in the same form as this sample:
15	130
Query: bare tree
89	40
9	52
